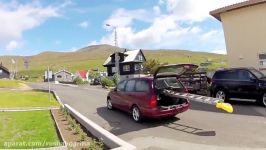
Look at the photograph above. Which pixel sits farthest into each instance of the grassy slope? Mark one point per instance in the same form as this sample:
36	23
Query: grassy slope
39	127
94	57
9	83
11	99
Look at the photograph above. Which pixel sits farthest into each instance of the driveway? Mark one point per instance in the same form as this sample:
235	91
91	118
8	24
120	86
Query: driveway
202	127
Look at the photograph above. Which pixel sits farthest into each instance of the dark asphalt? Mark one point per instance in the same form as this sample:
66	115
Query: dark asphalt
202	127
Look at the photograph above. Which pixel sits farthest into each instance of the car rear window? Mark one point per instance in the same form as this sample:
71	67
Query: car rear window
142	86
163	83
130	86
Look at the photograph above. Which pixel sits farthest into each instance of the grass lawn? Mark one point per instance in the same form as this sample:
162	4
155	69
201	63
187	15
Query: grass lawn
15	99
9	83
32	129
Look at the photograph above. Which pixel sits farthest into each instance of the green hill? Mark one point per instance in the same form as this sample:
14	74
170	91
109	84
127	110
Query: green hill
92	57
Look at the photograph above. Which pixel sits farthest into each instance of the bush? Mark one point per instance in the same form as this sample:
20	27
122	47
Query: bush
107	82
94	144
116	79
79	81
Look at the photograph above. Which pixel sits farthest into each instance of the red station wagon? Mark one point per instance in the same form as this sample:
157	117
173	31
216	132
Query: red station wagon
143	97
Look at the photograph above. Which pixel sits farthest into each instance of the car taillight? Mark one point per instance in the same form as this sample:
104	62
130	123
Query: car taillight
153	101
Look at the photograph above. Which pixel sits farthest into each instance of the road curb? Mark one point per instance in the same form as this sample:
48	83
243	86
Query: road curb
59	131
71	85
57	98
27	109
109	139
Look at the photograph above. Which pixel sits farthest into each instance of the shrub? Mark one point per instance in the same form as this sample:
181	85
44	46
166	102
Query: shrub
77	129
82	136
95	145
79	81
107	82
116	79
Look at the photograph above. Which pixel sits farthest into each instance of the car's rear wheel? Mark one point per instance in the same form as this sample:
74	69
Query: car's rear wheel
264	99
136	115
221	94
109	104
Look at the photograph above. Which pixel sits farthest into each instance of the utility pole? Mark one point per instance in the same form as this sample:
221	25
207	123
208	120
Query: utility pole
117	58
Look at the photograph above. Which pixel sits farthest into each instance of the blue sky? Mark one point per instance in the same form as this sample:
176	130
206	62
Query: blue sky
31	27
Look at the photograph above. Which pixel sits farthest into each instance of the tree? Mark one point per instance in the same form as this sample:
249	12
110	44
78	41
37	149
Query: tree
150	66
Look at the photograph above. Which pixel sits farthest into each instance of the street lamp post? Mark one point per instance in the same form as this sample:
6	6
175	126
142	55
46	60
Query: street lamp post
48	79
117	58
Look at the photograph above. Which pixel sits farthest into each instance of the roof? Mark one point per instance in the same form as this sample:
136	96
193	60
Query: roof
216	13
83	73
130	56
63	71
4	68
234	68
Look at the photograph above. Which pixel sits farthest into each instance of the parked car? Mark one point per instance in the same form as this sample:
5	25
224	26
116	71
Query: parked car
143	97
239	83
96	81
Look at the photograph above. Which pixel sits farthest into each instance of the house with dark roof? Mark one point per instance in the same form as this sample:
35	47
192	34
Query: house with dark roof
4	72
244	30
130	63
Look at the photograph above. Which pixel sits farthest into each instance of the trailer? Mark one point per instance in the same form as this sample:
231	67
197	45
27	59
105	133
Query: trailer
195	82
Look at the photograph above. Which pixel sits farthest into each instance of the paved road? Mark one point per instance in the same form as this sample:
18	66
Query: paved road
202	127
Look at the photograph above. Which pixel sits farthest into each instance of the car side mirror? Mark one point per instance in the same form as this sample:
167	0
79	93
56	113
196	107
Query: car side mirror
252	79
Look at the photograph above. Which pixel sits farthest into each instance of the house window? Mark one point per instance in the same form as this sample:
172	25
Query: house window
137	67
1	71
59	76
113	69
140	58
262	60
126	68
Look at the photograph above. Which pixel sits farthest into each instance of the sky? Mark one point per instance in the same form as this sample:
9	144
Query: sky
34	26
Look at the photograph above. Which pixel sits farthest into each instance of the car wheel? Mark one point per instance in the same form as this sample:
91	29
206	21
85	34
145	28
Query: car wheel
264	99
220	94
109	104
136	115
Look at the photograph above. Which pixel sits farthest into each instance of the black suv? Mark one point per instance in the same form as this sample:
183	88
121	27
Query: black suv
239	83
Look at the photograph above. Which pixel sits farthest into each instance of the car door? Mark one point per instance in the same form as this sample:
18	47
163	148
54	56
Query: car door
119	94
230	82
129	95
247	85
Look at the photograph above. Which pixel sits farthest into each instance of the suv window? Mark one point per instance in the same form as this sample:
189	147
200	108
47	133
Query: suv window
130	86
230	74
142	86
121	86
244	75
257	73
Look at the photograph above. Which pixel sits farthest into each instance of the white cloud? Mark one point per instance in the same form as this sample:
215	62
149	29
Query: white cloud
219	51
12	45
122	17
195	10
173	24
84	24
16	18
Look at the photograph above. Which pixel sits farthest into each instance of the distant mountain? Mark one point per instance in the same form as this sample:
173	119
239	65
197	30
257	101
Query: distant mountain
94	56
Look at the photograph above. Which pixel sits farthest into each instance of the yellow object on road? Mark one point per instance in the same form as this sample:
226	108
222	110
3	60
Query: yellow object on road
225	106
